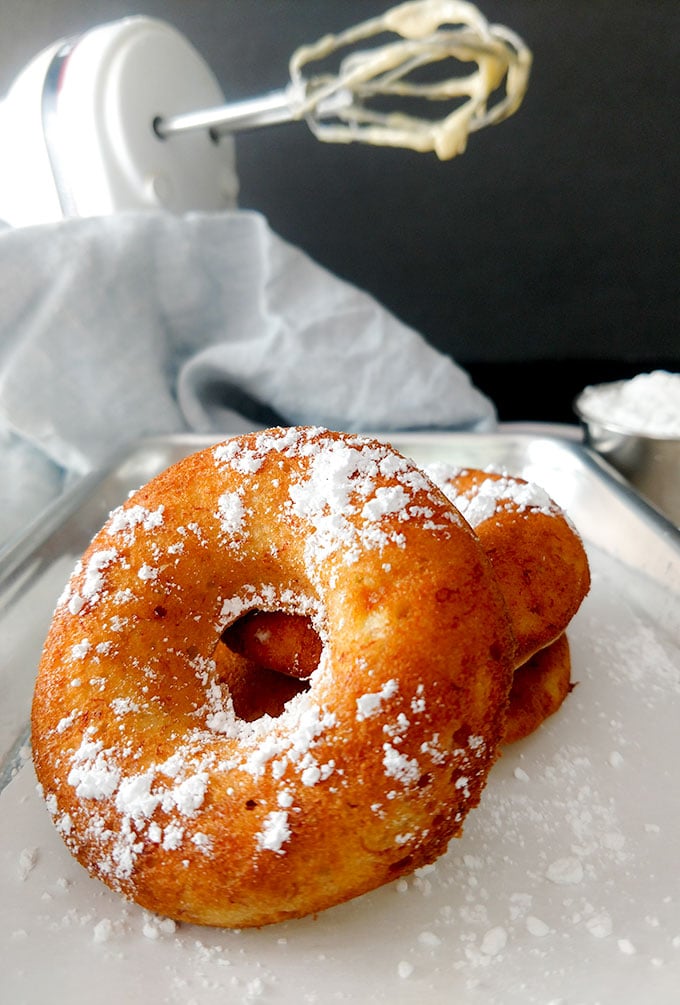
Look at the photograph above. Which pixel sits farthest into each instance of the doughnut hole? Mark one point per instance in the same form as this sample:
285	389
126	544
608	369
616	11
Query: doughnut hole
265	658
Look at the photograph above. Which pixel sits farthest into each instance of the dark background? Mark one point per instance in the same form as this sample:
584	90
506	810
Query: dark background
544	258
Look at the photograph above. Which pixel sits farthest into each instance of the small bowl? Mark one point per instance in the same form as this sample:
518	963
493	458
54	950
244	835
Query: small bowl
651	463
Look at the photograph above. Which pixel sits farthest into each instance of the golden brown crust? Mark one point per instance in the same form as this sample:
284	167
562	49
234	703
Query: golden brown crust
538	689
162	790
537	555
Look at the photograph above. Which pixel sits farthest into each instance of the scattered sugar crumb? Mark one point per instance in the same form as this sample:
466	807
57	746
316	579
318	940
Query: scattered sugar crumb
521	775
626	947
494	941
154	927
102	931
27	860
255	988
404	969
429	939
600	925
565	871
535	926
613	840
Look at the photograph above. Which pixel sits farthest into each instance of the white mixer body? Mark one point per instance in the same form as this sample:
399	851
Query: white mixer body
78	128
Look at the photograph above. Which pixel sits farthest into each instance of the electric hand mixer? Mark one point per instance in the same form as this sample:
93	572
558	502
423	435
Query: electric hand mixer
130	116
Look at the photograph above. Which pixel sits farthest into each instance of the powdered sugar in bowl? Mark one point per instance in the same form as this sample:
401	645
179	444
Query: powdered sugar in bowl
635	426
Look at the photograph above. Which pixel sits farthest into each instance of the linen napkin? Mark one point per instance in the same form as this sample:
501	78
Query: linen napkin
150	323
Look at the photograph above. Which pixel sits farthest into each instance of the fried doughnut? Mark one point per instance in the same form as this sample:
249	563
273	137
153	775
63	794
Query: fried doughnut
536	553
538	689
156	784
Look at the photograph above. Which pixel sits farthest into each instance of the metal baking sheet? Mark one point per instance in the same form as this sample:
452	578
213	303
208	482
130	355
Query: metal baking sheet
564	886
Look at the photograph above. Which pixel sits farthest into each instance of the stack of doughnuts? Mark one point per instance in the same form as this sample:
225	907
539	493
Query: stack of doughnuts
280	674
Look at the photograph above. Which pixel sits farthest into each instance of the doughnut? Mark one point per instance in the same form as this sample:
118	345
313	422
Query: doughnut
349	779
538	689
536	553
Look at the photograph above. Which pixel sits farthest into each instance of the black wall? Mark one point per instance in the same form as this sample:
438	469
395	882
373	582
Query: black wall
547	254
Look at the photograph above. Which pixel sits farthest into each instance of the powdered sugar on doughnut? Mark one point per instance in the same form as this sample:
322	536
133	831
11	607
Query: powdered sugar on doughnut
370	704
124	521
275	832
97	776
230	513
492	496
338	494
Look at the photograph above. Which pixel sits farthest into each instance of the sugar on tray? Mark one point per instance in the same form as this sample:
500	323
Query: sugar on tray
648	403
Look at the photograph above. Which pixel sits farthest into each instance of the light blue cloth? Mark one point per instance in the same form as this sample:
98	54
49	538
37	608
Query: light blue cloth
145	323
